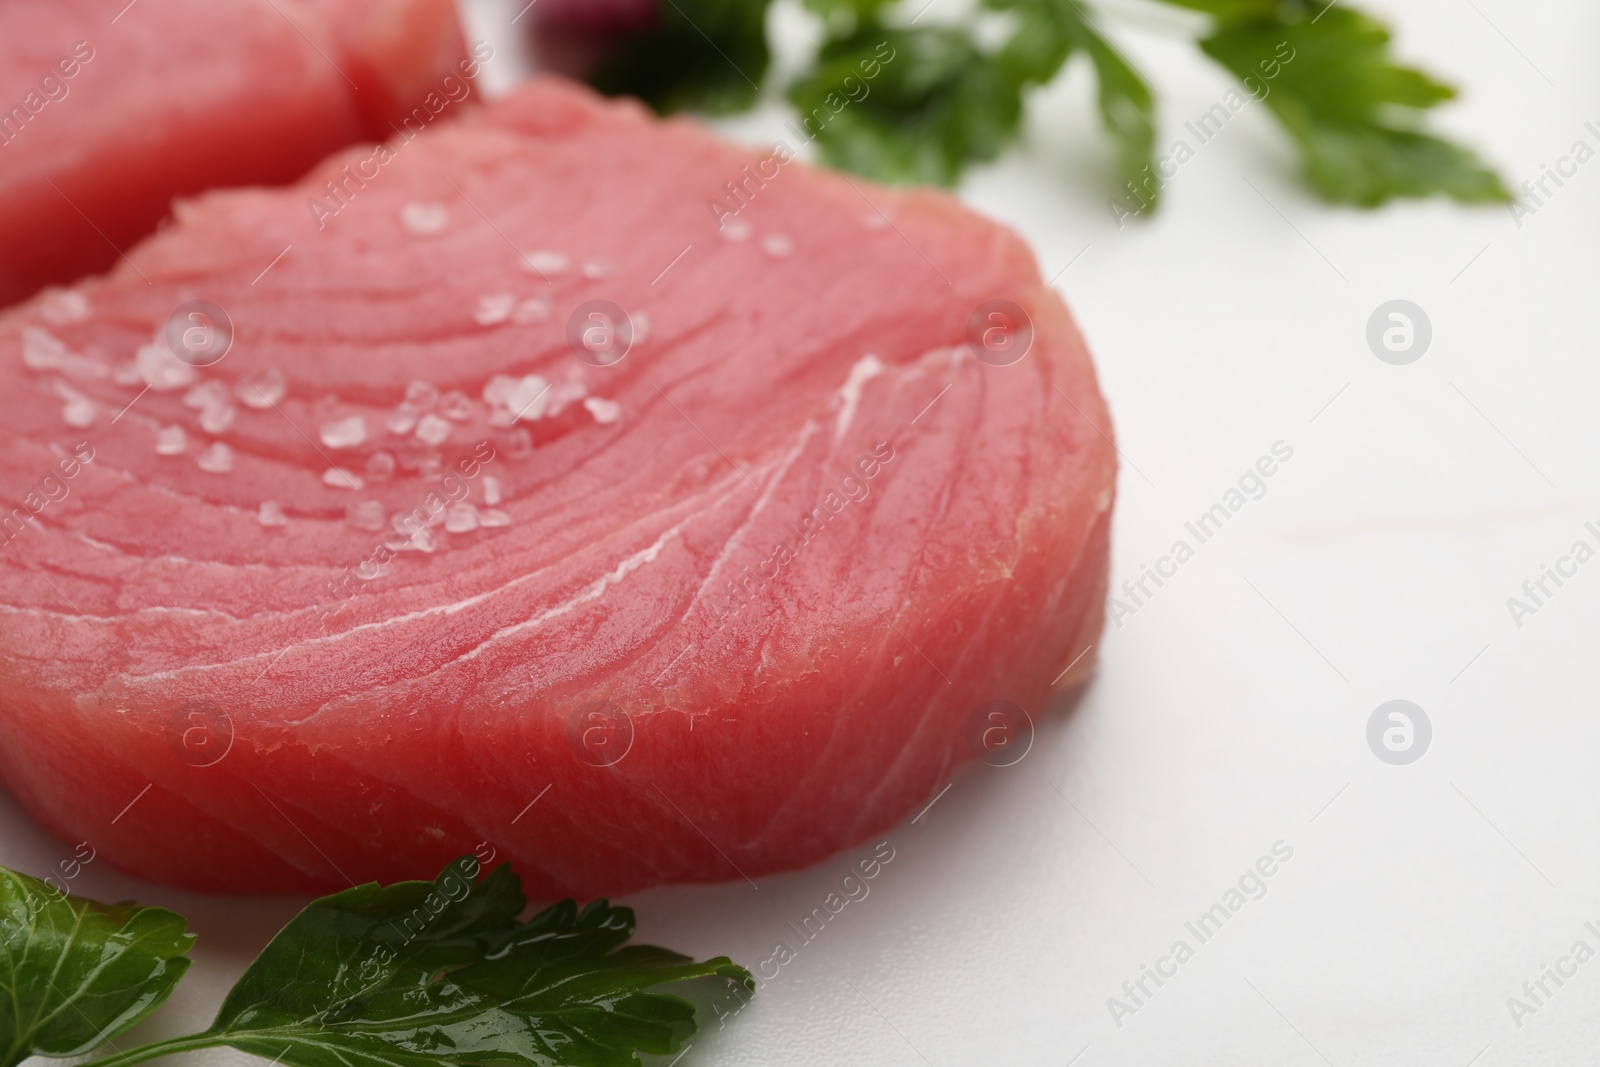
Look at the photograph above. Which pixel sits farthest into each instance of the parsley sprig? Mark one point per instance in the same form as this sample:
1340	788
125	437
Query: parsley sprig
951	97
416	974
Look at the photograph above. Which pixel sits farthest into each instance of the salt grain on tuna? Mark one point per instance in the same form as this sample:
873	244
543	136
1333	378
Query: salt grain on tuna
217	459
424	218
494	309
546	262
161	370
78	412
534	309
422	394
460	517
456	406
344	433
604	411
527	400
561	395
339	478
402	420
433	430
41	350
777	245
380	466
491	490
171	441
206	395
261	390
62	307
218	419
271	515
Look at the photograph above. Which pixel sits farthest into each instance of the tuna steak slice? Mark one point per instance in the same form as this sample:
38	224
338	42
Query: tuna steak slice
109	109
542	500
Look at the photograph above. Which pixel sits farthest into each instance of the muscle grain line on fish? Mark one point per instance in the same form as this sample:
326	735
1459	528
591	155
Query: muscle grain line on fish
53	88
851	489
343	191
51	489
781	153
409	528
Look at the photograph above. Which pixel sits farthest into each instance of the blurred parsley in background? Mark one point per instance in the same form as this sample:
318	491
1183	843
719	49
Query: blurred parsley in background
946	97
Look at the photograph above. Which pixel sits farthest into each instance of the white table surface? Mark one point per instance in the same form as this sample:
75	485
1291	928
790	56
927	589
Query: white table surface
1229	712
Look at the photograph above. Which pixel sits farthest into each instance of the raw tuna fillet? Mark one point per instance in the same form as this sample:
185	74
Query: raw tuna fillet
109	109
548	500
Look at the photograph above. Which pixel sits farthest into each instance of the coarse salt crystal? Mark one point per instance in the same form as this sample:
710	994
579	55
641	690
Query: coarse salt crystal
79	412
422	394
420	541
456	406
493	517
402	420
604	411
171	441
433	430
494	309
561	395
41	350
380	466
497	390
339	478
424	219
527	400
261	390
344	433
217	459
734	229
217	419
270	515
206	395
460	517
161	370
777	245
594	268
62	307
491	490
640	321
546	262
533	309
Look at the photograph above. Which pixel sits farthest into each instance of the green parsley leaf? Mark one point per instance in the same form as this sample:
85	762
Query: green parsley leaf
419	974
1048	32
710	55
74	974
1329	79
849	12
906	105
